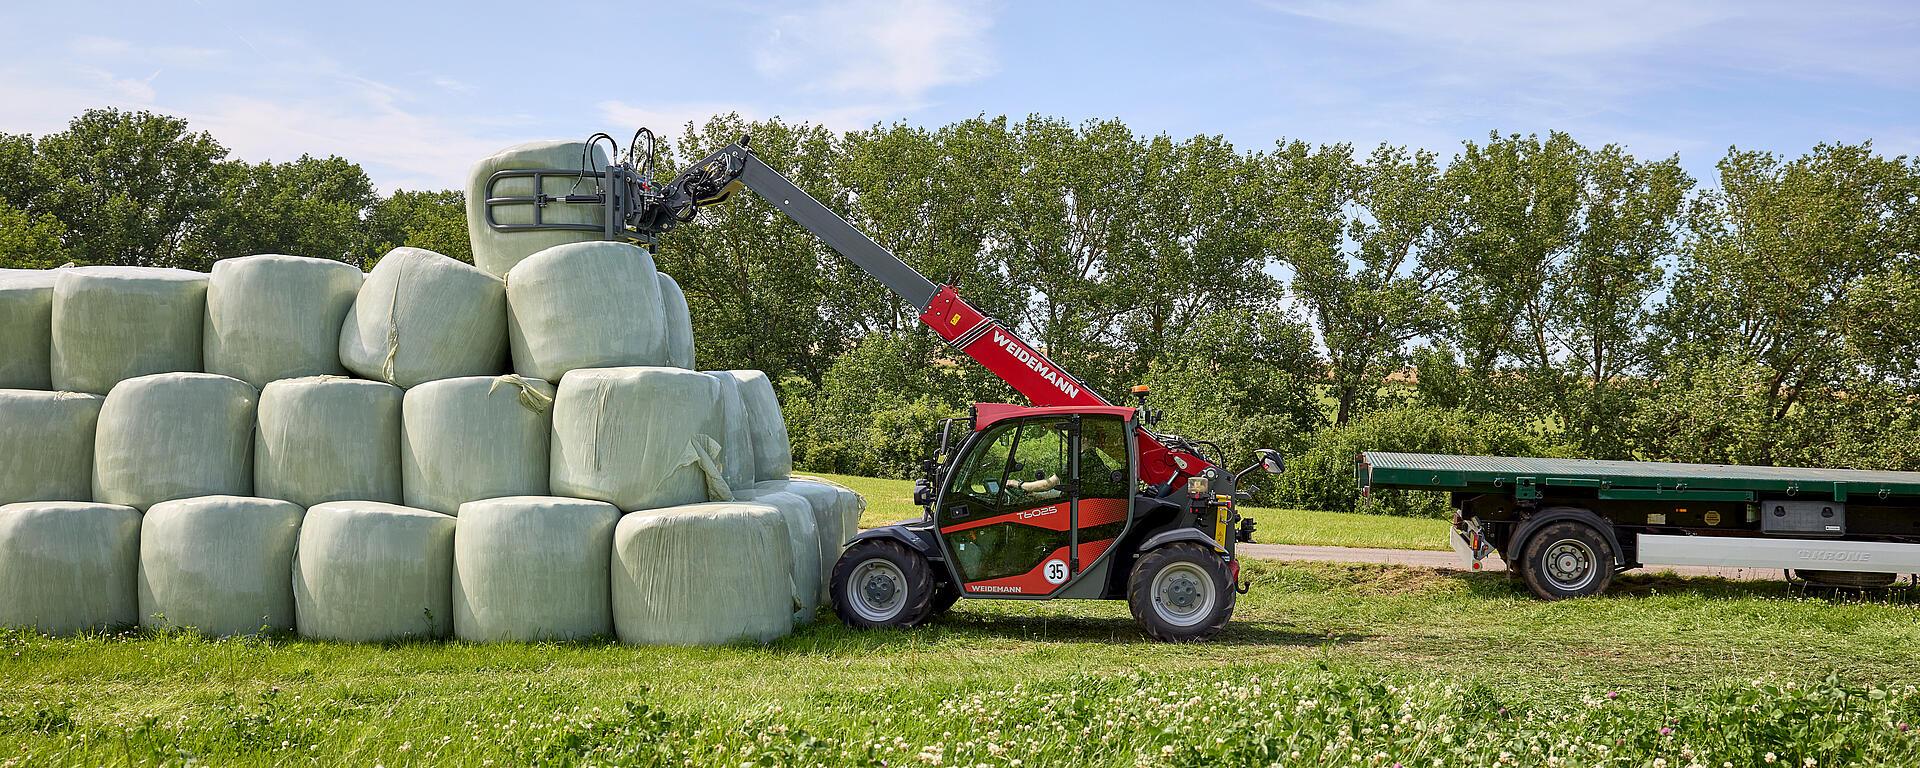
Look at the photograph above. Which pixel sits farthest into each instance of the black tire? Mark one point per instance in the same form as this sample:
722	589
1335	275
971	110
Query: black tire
1567	559
1181	593
895	586
944	596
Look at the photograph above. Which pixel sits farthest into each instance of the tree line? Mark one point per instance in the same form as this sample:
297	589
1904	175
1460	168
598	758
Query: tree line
1524	294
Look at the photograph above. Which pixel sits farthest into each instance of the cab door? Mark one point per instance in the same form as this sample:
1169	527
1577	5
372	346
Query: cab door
1033	503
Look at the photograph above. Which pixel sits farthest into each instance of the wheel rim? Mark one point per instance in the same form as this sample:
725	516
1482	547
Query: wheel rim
1183	594
877	591
1569	565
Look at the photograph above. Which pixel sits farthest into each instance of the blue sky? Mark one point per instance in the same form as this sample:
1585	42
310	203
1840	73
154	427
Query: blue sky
416	92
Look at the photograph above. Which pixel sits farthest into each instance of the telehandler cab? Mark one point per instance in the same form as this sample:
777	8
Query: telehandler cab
1072	497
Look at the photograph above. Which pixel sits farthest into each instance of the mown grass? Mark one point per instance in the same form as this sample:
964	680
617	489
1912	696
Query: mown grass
890	501
1344	664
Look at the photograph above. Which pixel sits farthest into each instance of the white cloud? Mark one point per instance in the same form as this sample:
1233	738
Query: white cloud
871	48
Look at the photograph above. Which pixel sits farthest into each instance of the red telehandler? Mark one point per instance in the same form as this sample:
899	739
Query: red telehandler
1071	497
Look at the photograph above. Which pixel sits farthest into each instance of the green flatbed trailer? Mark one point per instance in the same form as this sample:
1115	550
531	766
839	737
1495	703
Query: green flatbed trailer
1566	526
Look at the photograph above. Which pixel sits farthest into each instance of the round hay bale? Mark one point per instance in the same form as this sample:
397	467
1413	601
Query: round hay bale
328	438
803	535
679	319
111	324
702	574
26	329
531	568
736	433
772	455
68	566
498	251
421	316
47	450
273	317
174	436
638	438
366	571
836	516
475	437
218	565
585	305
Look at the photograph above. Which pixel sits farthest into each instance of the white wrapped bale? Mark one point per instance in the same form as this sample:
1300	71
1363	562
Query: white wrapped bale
26	329
328	438
174	436
219	565
638	438
421	316
772	455
585	305
273	317
68	566
529	568
736	433
679	319
116	323
366	572
803	535
702	574
836	517
497	251
46	445
475	437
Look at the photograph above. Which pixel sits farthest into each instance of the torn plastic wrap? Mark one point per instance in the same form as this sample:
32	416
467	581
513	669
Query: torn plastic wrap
68	566
174	436
497	251
26	329
638	438
702	574
529	568
328	438
421	316
116	323
273	317
365	571
475	437
585	305
219	564
47	450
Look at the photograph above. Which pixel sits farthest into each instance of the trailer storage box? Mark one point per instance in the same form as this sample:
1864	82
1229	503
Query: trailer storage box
68	566
273	317
111	324
219	564
46	453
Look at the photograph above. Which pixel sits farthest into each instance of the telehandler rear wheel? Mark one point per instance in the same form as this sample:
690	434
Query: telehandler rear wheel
1181	593
881	583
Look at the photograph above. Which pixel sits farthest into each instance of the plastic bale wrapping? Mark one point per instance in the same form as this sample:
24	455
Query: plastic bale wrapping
366	571
497	251
679	323
273	317
68	566
585	305
702	574
836	515
736	433
803	535
219	565
475	437
529	568
638	438
328	438
421	316
174	436
26	330
46	445
772	455
111	324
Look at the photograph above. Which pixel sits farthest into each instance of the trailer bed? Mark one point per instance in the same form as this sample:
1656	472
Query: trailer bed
1625	480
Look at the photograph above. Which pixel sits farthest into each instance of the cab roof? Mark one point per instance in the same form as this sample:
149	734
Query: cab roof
987	414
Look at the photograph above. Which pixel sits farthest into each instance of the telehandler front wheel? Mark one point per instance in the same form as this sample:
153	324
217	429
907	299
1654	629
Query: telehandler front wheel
881	583
1181	593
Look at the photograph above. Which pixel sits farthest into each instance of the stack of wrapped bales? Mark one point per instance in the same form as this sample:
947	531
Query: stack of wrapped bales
230	452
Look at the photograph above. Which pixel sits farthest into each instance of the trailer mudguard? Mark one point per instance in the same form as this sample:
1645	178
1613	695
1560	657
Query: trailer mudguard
915	540
1552	515
1164	538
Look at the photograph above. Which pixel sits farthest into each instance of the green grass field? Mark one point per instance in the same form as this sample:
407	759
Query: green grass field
890	501
1324	665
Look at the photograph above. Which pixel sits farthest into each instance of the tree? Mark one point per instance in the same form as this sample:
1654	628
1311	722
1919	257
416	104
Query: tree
29	241
434	220
129	186
309	207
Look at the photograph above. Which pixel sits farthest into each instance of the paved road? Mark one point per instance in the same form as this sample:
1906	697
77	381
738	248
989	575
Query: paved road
1422	558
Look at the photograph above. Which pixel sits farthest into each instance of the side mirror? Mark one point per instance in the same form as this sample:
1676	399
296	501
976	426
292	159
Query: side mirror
923	492
1270	461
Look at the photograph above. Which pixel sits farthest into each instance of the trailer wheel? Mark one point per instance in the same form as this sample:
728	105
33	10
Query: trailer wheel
1566	559
880	583
1180	593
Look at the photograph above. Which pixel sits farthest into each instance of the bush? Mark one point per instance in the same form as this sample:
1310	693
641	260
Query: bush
1323	476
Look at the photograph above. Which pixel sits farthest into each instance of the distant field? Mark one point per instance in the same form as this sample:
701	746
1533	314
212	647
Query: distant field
890	501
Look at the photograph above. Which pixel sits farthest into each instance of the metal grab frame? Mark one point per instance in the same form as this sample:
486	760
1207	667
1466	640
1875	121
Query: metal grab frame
632	194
